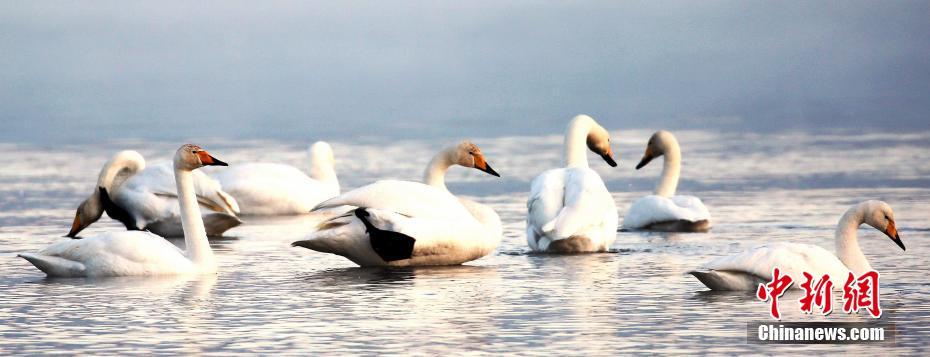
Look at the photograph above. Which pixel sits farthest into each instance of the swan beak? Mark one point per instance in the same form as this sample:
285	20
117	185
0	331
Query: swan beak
609	157
482	165
647	157
892	232
208	160
75	226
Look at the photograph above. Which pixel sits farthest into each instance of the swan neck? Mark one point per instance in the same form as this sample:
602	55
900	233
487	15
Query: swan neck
195	235
671	170
576	138
847	242
116	171
323	170
435	174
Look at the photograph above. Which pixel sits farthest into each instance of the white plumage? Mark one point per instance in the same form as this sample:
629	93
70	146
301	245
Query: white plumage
145	198
746	270
569	209
444	229
137	253
280	189
652	209
567	203
664	211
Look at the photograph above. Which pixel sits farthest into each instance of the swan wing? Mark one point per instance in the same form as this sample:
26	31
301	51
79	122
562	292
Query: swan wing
412	199
587	201
269	188
654	209
547	192
437	241
747	268
484	214
111	254
150	198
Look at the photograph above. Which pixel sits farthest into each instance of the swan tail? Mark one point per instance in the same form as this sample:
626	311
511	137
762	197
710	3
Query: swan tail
726	280
54	266
333	235
231	205
218	223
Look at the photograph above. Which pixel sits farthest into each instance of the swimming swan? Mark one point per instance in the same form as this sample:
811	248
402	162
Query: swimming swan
745	271
664	211
279	189
569	209
145	198
402	223
135	253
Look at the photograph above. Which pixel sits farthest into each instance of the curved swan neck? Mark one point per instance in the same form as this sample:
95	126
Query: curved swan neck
322	163
120	168
195	235
435	174
671	169
576	137
323	171
847	241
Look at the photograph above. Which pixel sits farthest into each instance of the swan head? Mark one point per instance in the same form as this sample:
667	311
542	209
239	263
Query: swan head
322	153
116	171
599	142
880	216
468	154
658	145
87	213
191	157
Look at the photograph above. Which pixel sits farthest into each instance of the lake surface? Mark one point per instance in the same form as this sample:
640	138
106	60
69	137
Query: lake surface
269	297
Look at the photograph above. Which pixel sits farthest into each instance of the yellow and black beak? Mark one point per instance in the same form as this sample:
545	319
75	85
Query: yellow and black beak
482	165
647	157
208	160
892	232
609	157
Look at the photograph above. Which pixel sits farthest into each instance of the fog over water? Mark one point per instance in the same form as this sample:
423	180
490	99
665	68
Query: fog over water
79	72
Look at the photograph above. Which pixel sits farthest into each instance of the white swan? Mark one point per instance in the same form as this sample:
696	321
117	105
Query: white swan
402	223
745	271
145	198
277	189
664	211
140	253
569	209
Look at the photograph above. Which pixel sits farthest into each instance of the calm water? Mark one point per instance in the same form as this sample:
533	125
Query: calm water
269	297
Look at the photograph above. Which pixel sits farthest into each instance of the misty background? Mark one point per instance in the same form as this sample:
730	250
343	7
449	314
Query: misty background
92	71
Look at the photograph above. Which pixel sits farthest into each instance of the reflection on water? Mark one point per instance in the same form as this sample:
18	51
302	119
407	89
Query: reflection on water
269	297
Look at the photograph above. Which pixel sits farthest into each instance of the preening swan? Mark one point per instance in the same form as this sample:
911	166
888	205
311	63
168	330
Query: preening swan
402	223
569	209
135	252
145	198
745	271
664	211
277	189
